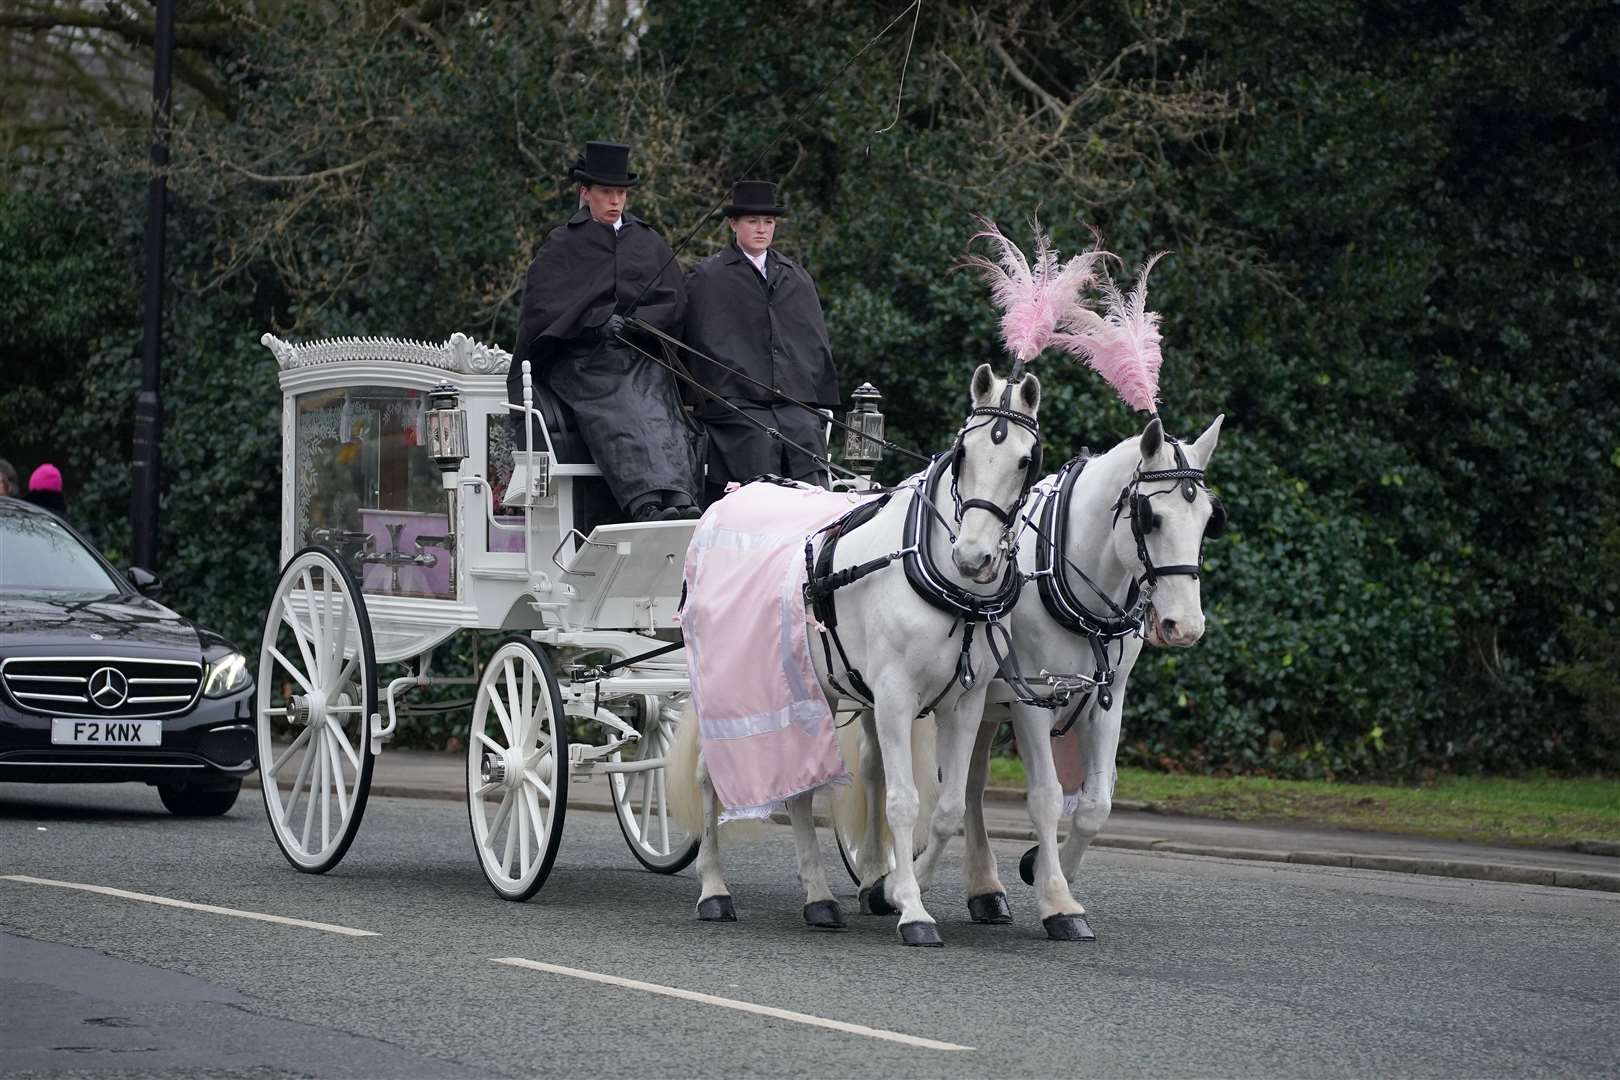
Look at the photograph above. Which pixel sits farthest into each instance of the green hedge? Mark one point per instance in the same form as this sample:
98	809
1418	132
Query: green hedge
1395	243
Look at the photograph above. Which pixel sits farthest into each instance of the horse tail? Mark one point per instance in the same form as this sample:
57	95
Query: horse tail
849	800
850	807
681	772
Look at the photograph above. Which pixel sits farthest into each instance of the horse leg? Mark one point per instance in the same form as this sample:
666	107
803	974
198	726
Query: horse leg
820	909
1099	744
1062	915
986	895
954	747
714	899
899	888
872	861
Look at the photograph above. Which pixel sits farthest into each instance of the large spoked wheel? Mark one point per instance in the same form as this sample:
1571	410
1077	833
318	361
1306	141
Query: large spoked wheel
517	769
317	694
642	798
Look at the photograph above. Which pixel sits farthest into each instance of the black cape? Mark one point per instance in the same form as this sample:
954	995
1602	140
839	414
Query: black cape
623	405
584	272
770	329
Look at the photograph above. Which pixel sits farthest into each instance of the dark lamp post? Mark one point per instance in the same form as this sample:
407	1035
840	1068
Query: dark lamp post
145	459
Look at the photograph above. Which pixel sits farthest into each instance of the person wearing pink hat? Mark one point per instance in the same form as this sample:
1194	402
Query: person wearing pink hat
45	488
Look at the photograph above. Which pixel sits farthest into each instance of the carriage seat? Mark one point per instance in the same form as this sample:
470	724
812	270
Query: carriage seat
592	501
561	423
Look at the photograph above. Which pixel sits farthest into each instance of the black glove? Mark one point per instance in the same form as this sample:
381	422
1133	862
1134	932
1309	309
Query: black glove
613	327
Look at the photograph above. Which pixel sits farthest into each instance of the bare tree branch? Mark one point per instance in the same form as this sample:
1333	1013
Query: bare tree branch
1058	108
306	178
131	29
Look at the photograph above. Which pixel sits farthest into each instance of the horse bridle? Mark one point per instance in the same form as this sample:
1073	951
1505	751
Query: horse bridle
1144	521
998	417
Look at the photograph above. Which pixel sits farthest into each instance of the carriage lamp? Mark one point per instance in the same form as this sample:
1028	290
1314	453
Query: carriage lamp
863	447
446	431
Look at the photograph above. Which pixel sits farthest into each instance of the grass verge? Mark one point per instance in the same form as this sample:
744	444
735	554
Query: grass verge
1536	812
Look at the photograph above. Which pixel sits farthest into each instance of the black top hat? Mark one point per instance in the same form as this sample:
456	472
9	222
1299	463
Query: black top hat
606	163
754	197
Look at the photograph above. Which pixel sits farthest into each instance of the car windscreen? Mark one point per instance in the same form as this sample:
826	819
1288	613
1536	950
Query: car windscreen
38	552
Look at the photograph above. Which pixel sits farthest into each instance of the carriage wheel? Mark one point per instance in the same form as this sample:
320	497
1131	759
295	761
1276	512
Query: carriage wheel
317	694
642	801
517	769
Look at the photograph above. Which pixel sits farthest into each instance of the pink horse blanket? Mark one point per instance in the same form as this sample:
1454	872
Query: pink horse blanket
766	727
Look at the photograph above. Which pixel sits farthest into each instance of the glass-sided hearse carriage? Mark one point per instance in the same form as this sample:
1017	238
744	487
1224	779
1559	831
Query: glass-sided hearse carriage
407	515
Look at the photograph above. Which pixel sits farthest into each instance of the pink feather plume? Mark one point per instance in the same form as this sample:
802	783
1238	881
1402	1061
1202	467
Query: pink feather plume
1034	297
1121	344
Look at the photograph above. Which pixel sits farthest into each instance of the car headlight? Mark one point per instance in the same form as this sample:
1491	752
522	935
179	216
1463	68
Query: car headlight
226	675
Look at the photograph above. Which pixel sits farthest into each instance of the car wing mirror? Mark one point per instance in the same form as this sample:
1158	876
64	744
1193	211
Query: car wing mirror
146	583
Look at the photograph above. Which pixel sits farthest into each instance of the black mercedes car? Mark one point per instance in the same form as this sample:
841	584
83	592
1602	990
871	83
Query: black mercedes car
98	682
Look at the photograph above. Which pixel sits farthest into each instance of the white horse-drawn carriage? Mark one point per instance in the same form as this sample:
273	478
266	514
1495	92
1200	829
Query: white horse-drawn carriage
407	515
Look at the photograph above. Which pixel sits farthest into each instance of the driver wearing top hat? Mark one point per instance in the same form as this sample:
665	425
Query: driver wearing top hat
755	312
591	274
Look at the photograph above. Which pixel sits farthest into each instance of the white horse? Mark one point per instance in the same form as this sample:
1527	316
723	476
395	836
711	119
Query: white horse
1136	520
909	652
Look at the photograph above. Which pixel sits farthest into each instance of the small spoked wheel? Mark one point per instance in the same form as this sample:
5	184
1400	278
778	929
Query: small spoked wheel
317	693
517	769
641	798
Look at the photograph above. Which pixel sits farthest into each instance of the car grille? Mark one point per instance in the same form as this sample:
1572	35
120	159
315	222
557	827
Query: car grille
102	685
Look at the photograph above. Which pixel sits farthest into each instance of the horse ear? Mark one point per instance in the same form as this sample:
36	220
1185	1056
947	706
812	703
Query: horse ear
1204	448
1030	393
983	380
1152	439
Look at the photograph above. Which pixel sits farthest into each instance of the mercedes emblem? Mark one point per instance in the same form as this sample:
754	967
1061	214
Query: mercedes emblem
108	687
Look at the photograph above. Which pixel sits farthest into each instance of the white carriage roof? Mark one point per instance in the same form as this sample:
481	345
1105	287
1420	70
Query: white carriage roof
460	353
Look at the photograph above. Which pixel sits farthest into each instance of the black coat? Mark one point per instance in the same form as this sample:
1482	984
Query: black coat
769	328
584	272
626	407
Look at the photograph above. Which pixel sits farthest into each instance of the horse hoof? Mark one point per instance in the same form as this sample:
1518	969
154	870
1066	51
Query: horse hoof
989	908
1068	928
717	909
873	901
824	915
1026	865
921	933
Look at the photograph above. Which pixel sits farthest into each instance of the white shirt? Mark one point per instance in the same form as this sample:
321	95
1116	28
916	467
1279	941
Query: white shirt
757	260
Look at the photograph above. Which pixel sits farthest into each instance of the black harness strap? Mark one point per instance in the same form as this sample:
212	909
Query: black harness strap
939	589
969	608
1052	567
821	582
1057	593
1068	610
1188	480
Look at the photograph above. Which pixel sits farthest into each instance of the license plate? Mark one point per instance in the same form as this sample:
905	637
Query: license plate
66	732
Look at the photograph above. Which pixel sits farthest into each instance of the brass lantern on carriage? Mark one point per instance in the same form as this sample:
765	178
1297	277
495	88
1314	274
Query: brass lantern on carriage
446	431
863	443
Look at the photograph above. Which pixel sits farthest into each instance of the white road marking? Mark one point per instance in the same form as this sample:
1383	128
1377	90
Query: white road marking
730	1003
212	909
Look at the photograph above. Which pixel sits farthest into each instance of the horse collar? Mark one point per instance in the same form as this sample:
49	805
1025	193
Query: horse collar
1052	567
923	573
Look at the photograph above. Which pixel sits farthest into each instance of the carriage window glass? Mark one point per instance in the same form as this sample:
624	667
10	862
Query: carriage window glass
498	468
365	487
